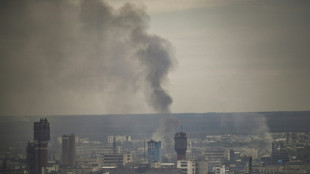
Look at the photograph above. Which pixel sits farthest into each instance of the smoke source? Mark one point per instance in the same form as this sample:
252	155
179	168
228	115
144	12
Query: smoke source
249	124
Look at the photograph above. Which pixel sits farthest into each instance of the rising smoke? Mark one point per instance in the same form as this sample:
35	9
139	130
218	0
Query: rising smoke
81	57
254	124
50	48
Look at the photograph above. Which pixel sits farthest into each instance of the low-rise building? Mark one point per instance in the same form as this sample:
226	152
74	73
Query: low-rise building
188	166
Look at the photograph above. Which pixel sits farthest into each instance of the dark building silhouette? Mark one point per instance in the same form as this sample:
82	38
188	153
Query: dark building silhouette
180	145
31	157
68	150
231	155
37	150
42	131
4	169
250	165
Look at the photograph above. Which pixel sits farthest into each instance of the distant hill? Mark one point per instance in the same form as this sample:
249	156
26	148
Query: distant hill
18	130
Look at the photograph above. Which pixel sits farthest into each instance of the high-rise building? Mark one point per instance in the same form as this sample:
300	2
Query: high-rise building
154	151
250	165
37	150
30	157
180	145
68	150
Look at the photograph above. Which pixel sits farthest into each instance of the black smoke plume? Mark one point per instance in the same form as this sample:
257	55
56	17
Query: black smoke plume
81	57
63	57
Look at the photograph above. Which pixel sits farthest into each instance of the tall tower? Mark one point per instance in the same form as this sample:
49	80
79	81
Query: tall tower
180	145
37	150
42	136
154	151
68	150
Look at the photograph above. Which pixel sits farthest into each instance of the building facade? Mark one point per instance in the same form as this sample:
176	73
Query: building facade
154	151
116	160
68	150
188	166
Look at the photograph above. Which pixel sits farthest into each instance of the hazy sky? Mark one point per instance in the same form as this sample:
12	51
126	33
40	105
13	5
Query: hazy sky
237	55
231	56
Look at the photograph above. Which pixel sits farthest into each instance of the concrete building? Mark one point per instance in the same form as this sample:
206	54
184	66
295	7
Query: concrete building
291	168
279	155
118	138
219	170
154	151
116	160
180	145
188	166
215	154
127	158
140	170
203	167
161	165
68	150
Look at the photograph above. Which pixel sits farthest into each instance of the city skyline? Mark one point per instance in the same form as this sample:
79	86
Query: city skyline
203	151
154	86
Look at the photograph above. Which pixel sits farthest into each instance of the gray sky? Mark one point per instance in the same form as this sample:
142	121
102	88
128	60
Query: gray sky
232	56
238	55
